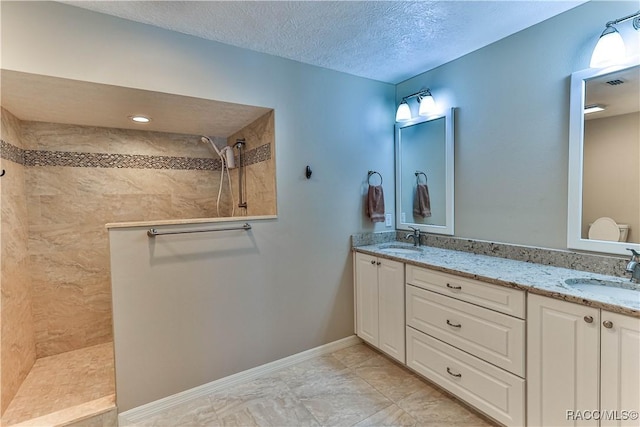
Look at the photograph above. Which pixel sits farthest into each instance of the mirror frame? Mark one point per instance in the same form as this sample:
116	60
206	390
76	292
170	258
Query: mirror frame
448	228
576	153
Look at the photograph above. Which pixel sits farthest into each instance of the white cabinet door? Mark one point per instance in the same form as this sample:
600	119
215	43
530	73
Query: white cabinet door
562	361
620	369
391	308
367	298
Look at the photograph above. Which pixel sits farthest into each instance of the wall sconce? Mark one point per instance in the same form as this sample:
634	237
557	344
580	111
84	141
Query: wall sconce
426	101
610	48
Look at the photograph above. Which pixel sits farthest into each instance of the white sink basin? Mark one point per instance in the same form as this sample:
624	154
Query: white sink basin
626	291
406	250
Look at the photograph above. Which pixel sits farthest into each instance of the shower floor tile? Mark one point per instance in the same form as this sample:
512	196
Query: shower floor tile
75	381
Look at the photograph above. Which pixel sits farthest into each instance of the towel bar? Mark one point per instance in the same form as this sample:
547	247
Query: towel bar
153	232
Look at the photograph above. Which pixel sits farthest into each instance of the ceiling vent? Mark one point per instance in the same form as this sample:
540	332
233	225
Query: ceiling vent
615	82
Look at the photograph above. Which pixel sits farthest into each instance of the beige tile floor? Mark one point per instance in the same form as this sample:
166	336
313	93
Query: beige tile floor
355	386
66	386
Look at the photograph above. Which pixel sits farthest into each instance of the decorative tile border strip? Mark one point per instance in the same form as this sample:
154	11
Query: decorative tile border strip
118	161
11	152
257	155
133	161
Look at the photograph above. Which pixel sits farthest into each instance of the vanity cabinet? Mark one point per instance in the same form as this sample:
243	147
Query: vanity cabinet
619	366
379	295
459	337
581	359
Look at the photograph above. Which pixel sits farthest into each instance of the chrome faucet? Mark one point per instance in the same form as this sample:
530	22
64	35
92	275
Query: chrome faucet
633	266
415	236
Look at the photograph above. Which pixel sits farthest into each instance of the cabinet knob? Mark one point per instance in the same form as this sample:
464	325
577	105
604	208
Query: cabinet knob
452	374
607	324
450	286
373	262
378	263
588	319
454	324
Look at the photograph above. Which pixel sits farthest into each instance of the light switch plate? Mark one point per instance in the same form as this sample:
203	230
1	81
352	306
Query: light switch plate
387	220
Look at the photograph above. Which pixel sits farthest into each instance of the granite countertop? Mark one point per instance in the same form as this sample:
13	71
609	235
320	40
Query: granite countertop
535	278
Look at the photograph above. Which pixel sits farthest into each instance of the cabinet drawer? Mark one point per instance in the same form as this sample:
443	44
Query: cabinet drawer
493	391
494	337
498	298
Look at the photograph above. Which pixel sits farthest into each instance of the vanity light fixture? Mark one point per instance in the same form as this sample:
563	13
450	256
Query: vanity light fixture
427	104
426	101
404	112
593	108
610	48
140	119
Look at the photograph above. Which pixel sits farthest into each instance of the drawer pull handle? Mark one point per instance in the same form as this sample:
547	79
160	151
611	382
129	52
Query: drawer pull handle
457	288
378	263
588	319
452	374
607	324
453	324
373	262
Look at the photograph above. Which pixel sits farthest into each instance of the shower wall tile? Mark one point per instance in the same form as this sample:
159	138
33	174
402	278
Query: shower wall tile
260	169
87	139
10	128
261	193
194	205
46	239
17	334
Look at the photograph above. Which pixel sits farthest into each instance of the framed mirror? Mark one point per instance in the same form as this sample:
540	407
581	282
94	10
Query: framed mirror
424	174
604	160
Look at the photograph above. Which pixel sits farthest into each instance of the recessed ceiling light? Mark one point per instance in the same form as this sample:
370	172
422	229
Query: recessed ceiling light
593	108
140	119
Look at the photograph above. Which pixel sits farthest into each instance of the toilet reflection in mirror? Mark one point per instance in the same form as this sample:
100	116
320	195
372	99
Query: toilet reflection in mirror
611	158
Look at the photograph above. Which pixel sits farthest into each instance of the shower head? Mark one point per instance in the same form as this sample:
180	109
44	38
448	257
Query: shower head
208	140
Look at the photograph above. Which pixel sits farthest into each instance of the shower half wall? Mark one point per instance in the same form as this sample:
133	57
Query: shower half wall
63	183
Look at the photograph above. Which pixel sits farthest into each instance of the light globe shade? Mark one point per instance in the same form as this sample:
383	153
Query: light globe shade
427	105
609	50
404	112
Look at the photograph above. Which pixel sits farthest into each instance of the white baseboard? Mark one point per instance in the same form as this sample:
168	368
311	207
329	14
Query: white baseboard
142	412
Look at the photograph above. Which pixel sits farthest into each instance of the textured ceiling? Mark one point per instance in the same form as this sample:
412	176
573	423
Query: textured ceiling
389	41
